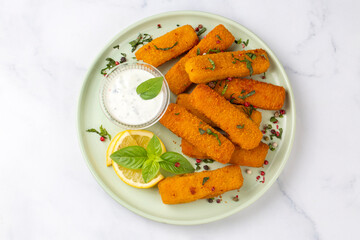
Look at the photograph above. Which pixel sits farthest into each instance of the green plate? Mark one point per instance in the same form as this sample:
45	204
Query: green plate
147	202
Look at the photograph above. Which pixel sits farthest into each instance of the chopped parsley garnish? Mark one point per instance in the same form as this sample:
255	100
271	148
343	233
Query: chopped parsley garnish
218	37
232	99
197	166
103	133
202	131
201	31
224	90
177	113
273	120
208	160
208	131
213	50
240	42
204	180
248	65
123	54
240	126
246	43
177	25
271	147
249	111
198	51
141	39
212	63
246	95
111	63
165	49
117	46
251	55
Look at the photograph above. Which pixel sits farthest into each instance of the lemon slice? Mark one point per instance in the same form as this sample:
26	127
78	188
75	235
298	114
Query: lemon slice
132	138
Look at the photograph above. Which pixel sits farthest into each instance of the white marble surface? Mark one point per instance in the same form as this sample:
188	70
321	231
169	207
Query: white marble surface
46	190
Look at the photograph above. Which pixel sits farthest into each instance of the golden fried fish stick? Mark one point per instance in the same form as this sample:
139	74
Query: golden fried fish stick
250	158
184	100
242	131
177	78
202	69
168	46
193	186
260	94
185	125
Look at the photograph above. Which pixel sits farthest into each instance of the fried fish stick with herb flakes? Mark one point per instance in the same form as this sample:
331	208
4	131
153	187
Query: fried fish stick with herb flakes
218	39
193	186
185	125
202	69
250	158
168	46
260	94
241	130
184	100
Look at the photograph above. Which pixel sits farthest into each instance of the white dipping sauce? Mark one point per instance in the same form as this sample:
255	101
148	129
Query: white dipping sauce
124	104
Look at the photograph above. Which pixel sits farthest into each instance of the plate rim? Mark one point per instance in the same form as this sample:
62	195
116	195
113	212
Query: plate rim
258	194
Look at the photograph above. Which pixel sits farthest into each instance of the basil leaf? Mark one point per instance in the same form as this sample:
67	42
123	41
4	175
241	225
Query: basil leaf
150	169
132	157
154	146
150	88
170	159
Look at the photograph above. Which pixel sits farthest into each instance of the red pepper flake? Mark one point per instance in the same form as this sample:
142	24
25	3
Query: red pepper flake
277	134
246	104
263	131
218	41
104	74
262	173
266	162
229	78
197	29
263	77
243	45
159	25
257	178
117	63
222	51
263	181
277	126
254	106
177	164
213	189
198	160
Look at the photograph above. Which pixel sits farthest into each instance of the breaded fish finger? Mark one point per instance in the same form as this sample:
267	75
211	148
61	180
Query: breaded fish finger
241	130
184	100
168	46
202	69
260	94
185	125
250	158
193	186
177	78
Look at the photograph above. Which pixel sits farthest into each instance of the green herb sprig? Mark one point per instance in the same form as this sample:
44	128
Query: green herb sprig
151	159
150	88
103	132
212	64
141	39
201	31
205	180
248	65
225	88
165	49
208	131
243	97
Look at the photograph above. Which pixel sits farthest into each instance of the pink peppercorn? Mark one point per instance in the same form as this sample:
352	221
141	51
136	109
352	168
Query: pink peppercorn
277	134
263	131
229	78
197	29
262	173
117	63
200	26
177	164
218	200
213	189
263	77
159	25
277	126
258	177
246	104
198	160
266	162
102	139
273	131
282	112
217	41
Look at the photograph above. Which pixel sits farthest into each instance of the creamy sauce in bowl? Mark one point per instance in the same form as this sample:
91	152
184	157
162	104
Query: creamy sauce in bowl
123	105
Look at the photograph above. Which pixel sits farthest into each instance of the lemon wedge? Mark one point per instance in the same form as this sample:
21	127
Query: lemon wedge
132	138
